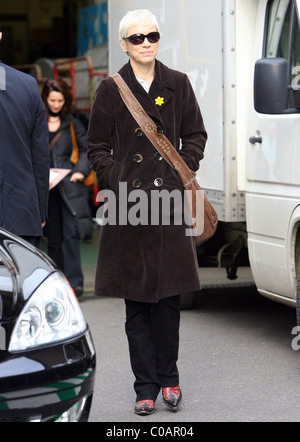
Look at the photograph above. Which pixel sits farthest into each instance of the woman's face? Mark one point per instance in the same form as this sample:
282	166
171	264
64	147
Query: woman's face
55	101
144	53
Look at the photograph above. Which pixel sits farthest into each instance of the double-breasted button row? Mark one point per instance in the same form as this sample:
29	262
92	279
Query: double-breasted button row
138	158
139	132
158	182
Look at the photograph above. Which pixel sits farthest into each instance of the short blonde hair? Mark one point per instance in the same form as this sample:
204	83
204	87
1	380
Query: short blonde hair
138	17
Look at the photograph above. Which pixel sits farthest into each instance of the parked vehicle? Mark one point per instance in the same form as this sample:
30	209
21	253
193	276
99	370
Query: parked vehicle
243	60
47	357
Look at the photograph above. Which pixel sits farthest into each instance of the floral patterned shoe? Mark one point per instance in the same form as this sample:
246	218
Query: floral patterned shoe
172	397
144	407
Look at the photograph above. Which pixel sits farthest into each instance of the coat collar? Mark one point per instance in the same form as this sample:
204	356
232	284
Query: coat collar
161	91
65	121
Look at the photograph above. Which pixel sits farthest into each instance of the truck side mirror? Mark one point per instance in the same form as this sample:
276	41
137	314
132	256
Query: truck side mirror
271	86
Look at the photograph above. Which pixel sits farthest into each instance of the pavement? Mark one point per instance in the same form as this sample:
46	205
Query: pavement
236	362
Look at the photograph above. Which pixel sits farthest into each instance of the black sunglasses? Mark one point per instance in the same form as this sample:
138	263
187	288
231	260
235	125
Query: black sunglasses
138	39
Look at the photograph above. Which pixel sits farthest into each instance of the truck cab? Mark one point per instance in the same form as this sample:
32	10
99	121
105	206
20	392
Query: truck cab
273	156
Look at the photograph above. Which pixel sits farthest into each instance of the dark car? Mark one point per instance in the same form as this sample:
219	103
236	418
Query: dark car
47	357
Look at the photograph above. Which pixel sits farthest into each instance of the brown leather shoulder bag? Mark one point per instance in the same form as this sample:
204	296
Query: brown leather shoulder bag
90	178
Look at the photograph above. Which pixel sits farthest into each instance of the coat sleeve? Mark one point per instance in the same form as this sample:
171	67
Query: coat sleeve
40	156
99	137
192	132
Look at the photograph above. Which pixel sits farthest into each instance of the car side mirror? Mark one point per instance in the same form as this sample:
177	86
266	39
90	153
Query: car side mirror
271	86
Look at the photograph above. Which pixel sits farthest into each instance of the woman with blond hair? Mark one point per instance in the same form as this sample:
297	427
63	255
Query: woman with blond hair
149	266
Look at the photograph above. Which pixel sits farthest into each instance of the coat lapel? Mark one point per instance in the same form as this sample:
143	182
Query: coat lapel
160	94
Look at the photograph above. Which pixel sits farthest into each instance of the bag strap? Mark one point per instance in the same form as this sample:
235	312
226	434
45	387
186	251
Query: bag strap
159	141
55	139
75	155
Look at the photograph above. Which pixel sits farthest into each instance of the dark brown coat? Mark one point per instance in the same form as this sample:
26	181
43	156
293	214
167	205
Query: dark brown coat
145	263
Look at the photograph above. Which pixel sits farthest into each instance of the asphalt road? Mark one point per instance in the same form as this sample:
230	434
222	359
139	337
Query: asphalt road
236	361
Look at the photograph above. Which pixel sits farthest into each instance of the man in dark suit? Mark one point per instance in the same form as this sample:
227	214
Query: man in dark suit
24	155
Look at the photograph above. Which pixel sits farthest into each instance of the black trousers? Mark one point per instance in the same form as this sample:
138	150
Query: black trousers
153	336
63	240
33	240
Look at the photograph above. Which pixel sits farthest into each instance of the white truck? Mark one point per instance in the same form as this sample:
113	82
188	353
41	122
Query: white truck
243	60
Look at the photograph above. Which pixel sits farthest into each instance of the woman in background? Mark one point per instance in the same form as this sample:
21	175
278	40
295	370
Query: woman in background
69	215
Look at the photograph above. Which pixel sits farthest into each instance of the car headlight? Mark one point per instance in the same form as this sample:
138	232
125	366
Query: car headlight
52	314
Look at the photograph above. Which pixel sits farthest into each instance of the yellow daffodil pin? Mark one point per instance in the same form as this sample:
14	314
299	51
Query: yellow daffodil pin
159	101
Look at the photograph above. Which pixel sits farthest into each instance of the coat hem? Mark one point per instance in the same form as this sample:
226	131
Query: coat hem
148	300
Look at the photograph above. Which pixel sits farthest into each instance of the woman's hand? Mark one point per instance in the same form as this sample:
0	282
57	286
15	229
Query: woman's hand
77	176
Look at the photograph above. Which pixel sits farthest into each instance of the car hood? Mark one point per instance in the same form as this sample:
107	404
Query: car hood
22	269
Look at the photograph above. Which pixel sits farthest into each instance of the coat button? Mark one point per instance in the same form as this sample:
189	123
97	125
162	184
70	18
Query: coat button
159	130
138	158
137	184
158	156
138	132
158	182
